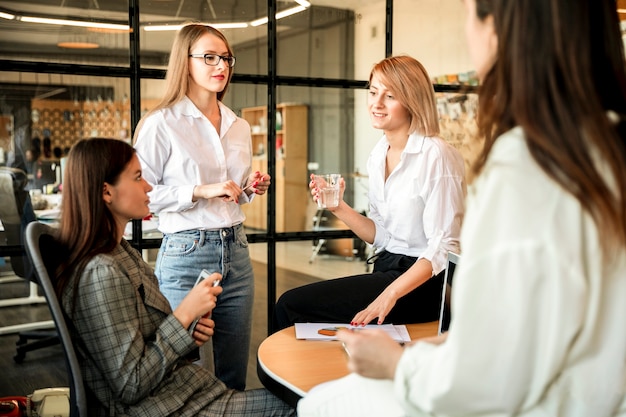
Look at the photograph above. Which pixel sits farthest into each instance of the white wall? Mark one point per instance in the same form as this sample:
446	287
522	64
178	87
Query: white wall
432	31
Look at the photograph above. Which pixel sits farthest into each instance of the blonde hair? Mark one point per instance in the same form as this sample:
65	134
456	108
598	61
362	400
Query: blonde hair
411	86
177	77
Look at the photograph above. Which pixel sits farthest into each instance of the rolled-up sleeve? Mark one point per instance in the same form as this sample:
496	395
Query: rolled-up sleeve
443	214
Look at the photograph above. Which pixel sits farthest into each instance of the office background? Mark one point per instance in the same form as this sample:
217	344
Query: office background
73	69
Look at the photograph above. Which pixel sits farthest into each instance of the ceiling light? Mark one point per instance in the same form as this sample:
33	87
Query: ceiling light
78	45
259	22
79	23
107	30
302	5
234	25
289	12
279	15
161	28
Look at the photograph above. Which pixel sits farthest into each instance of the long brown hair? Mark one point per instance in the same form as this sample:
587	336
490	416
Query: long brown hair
559	75
412	87
177	76
87	226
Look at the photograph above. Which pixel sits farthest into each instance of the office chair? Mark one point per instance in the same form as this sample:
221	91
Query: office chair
15	213
42	251
14	198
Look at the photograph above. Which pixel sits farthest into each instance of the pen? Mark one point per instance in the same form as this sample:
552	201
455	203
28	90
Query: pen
248	186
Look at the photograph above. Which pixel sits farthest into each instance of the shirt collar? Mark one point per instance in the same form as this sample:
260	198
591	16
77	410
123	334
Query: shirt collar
414	144
187	108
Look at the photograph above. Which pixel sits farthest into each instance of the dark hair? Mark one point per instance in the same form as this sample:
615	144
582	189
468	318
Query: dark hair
559	74
87	226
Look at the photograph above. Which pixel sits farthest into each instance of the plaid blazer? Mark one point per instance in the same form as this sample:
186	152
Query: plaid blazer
131	345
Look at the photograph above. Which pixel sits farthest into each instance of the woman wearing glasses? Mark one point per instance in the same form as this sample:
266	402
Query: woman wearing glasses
197	155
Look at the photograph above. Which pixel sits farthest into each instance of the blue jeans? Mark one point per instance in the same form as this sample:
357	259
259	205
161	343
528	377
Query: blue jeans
181	258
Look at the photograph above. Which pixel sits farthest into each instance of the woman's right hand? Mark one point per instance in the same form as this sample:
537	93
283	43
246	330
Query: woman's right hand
315	191
227	191
200	301
371	353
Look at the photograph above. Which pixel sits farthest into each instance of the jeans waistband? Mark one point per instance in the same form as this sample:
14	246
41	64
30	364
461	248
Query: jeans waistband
204	234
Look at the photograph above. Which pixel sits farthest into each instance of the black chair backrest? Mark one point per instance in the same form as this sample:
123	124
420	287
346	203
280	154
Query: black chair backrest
19	180
43	252
15	212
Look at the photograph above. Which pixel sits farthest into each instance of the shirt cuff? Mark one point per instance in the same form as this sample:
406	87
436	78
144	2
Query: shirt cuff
185	197
435	254
381	239
245	198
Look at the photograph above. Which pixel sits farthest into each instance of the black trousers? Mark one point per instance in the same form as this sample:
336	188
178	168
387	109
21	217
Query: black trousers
338	300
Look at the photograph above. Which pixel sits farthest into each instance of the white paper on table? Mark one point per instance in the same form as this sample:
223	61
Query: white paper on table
403	332
308	331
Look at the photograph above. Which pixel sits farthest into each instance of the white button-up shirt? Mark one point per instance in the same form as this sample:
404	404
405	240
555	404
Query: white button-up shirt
418	210
538	312
179	148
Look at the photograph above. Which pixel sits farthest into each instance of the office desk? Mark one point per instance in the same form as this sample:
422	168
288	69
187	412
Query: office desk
290	367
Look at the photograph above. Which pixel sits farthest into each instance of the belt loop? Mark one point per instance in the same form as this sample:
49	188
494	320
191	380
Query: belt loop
202	237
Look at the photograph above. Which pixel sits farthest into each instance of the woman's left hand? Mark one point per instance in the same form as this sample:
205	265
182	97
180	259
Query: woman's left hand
257	183
380	307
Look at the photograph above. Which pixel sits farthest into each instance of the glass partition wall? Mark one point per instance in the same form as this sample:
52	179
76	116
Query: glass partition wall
85	69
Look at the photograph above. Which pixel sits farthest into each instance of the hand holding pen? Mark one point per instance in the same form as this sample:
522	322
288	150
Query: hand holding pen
258	183
227	191
371	353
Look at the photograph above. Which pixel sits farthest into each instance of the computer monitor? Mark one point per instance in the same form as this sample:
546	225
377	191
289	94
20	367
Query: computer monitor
444	314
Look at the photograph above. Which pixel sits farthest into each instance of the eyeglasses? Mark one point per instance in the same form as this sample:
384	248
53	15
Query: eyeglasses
213	59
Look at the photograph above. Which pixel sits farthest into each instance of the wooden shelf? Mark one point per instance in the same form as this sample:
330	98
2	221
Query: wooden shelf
291	182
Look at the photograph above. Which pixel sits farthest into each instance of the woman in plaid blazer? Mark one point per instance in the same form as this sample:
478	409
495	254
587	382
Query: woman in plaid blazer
132	345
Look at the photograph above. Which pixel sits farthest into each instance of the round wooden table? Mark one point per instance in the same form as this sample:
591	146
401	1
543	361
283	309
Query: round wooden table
289	367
